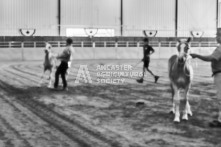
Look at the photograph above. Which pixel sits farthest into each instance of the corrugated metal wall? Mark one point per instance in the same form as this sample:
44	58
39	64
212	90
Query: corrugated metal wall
199	15
90	13
141	15
138	15
38	14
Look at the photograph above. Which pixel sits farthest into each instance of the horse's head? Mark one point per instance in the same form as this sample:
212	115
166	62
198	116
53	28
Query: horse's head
47	48
183	49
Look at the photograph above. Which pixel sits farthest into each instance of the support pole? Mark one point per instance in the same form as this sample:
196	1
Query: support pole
176	18
59	17
121	17
217	13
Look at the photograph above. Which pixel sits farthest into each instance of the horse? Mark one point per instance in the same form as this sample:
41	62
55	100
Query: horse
180	75
49	64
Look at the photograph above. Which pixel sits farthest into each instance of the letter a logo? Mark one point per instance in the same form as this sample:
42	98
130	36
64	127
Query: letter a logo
83	71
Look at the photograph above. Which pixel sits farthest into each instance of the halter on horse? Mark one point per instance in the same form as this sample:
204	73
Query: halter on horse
180	75
49	64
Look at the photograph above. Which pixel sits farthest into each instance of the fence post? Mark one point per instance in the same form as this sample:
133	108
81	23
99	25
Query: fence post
127	44
138	44
159	44
59	44
82	44
22	51
93	47
116	47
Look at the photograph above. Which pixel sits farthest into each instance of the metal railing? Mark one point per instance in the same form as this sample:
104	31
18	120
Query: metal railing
40	44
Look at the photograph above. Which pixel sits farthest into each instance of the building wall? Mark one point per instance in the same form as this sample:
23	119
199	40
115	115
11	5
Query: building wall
141	15
90	13
28	14
138	15
198	15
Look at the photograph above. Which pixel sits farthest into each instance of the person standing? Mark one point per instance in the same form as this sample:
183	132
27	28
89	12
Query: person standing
147	51
215	59
65	58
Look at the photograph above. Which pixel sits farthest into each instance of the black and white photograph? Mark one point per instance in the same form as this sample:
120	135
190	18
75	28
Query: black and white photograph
110	73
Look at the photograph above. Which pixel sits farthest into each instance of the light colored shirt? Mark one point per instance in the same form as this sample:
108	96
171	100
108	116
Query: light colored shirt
66	55
71	57
216	64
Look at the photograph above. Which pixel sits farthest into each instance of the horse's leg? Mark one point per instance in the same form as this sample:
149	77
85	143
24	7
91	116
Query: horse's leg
172	110
187	110
177	103
50	79
42	76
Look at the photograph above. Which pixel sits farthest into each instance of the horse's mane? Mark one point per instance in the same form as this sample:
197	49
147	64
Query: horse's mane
176	63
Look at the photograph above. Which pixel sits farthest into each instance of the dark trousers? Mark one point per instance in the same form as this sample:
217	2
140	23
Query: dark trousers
146	62
61	70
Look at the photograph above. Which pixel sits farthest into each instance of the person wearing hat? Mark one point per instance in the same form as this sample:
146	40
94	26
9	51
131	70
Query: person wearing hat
215	59
65	58
147	51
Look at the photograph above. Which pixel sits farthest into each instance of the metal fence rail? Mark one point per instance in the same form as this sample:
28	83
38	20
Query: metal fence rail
40	44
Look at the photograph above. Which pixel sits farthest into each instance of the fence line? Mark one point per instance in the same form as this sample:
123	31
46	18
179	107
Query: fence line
39	44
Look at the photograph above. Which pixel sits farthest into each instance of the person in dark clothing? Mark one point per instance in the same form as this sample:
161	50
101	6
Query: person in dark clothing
65	57
147	51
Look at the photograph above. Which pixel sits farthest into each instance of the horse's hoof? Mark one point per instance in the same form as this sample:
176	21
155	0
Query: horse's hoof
176	119
49	86
185	117
176	122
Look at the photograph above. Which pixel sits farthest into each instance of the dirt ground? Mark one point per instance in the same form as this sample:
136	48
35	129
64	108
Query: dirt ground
103	115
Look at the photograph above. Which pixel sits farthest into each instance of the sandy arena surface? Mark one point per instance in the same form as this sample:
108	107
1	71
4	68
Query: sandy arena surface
103	115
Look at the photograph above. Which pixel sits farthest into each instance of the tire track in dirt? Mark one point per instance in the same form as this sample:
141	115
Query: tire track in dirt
34	76
34	79
22	80
10	134
85	136
129	80
29	128
149	84
92	72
